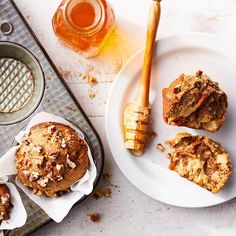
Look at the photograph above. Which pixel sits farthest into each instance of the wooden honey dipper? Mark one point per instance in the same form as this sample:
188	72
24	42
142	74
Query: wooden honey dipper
137	115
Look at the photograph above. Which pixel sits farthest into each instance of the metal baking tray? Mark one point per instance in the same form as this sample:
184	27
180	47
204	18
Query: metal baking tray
57	99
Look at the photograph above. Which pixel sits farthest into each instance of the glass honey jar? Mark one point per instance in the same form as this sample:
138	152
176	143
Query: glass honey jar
85	25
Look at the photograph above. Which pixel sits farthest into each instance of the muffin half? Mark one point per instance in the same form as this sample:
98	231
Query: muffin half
200	160
195	102
51	159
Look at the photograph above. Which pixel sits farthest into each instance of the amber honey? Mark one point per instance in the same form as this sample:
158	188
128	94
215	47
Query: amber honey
85	25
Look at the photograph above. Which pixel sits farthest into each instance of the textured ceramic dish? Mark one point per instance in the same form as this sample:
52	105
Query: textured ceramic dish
21	72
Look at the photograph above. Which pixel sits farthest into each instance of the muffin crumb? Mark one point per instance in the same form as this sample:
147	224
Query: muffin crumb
160	147
95	217
92	94
63	143
106	176
106	193
92	80
152	134
70	163
97	194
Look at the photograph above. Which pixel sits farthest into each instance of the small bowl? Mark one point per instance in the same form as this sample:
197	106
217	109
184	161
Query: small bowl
22	55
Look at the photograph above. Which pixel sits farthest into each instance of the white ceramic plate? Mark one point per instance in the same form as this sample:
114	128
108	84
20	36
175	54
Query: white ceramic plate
173	55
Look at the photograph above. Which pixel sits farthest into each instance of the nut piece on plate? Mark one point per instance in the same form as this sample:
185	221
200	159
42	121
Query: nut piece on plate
5	203
200	160
195	102
51	159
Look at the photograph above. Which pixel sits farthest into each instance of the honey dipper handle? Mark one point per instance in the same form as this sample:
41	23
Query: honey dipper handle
153	21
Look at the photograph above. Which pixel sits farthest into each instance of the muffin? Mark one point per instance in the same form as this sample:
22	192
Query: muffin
194	101
51	158
200	160
5	203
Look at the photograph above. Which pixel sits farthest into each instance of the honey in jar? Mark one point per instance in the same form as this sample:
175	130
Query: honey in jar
85	25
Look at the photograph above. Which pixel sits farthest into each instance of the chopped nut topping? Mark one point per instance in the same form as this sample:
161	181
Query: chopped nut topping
4	199
51	176
48	166
177	89
38	160
33	175
53	152
59	178
37	149
37	192
63	143
58	167
51	129
52	157
70	163
43	182
27	140
24	162
1	215
25	174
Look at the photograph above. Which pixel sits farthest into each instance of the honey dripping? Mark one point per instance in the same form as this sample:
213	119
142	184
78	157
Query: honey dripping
85	25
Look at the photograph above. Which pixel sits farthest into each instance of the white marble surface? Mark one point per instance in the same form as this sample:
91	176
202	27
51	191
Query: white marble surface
128	211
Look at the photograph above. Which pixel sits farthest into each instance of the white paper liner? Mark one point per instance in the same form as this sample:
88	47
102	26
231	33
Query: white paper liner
18	214
57	207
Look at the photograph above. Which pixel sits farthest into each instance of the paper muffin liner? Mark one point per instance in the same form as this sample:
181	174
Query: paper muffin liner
57	207
18	214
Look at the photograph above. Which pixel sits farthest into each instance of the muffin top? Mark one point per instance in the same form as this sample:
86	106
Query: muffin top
5	203
51	158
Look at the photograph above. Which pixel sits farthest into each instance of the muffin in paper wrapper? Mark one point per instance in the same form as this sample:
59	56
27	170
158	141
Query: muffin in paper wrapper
57	207
18	215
